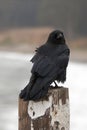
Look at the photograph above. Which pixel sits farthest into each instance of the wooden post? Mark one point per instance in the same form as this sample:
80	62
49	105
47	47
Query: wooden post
51	113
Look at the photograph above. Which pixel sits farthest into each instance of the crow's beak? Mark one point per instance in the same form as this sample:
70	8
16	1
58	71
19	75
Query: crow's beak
59	36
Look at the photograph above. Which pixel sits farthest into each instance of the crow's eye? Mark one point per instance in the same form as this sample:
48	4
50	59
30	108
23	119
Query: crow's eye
59	35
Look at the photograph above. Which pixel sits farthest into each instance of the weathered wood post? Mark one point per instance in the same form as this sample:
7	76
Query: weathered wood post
51	113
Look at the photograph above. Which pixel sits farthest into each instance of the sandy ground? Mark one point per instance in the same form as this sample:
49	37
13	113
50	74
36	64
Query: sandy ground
14	75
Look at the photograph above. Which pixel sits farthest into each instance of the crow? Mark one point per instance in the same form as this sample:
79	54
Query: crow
49	65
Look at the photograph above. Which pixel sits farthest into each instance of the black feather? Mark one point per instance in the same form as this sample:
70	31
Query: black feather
49	64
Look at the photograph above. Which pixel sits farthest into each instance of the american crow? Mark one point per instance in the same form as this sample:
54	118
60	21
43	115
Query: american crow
49	64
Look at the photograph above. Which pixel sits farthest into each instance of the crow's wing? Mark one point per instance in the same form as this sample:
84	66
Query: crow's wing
62	60
36	57
39	53
49	68
44	64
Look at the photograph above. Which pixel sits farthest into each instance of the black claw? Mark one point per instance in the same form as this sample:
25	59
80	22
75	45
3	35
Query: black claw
56	86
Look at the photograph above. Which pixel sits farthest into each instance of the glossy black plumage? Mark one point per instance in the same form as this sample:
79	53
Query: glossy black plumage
49	64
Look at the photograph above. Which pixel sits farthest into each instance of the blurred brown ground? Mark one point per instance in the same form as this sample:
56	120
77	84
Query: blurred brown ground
26	40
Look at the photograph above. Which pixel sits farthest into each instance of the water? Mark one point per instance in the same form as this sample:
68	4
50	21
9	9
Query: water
14	75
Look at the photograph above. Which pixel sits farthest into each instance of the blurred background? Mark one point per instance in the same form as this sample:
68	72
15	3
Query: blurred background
24	26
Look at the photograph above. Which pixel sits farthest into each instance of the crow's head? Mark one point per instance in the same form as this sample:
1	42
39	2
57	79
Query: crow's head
56	37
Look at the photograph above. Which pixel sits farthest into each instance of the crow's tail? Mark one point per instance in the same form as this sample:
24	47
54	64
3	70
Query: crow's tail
40	88
25	92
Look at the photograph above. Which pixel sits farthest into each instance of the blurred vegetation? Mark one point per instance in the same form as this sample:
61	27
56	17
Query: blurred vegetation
68	15
6	41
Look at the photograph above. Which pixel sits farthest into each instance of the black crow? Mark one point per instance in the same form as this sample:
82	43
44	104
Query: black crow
49	64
